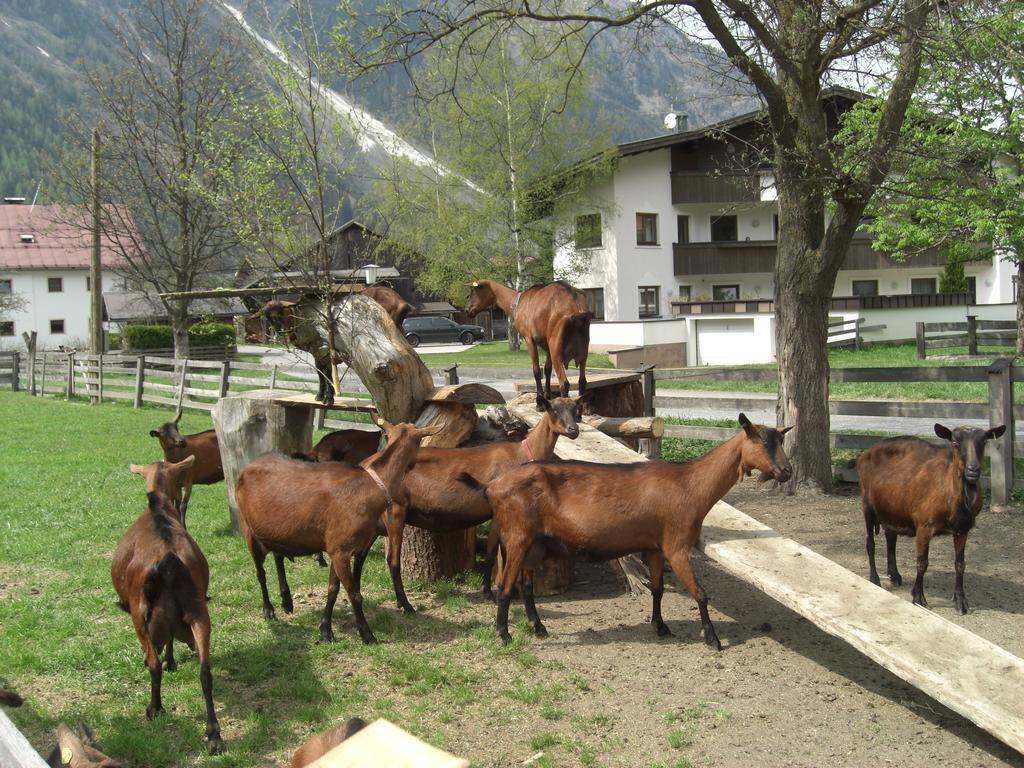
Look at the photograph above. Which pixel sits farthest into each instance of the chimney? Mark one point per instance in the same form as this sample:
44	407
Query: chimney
681	122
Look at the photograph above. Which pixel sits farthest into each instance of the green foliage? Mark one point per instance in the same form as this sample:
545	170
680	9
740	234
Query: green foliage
211	334
204	334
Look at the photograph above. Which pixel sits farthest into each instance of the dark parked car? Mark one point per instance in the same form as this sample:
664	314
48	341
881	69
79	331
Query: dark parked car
439	329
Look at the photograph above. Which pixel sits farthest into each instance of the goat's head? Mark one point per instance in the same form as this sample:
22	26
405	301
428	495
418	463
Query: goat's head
276	313
78	749
403	441
763	451
969	445
165	476
564	413
168	434
480	297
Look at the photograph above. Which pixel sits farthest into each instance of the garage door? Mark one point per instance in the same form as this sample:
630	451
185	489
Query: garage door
725	342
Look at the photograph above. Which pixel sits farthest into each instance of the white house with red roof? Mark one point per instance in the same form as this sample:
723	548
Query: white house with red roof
44	260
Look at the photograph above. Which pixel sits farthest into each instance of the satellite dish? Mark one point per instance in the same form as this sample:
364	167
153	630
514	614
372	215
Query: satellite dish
671	120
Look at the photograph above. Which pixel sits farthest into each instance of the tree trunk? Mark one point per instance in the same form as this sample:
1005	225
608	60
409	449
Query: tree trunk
178	314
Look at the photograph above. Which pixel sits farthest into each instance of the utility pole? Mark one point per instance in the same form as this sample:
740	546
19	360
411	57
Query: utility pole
95	279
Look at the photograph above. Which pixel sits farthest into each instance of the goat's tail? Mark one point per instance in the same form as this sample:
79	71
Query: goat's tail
579	321
170	579
467	479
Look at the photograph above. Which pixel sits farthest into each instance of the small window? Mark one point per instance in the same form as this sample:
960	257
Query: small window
923	285
724	229
972	285
6	286
649	300
57	326
682	229
647	229
865	287
595	302
588	231
685	292
6	327
725	292
55	284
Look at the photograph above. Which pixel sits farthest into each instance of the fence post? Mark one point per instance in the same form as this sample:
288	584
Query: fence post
225	371
321	417
69	390
32	363
1000	411
15	370
140	378
99	379
273	377
42	383
647	381
451	375
920	341
972	334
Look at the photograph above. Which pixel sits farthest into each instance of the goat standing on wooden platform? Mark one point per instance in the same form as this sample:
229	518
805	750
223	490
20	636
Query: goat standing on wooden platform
161	577
206	468
611	510
290	508
553	317
910	487
300	324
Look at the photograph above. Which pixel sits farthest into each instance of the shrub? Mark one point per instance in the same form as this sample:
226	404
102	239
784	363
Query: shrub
147	337
211	334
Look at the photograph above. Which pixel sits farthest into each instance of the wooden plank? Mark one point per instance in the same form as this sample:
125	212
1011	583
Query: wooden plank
910	373
593	381
385	744
471	393
970	675
924	409
340	404
15	750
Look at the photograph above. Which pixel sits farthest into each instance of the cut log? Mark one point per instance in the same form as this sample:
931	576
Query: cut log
617	426
251	423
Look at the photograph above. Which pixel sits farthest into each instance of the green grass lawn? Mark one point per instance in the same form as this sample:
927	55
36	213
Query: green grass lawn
67	499
495	354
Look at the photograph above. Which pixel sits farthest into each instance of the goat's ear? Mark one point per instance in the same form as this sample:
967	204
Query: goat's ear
748	427
784	430
944	432
995	432
383	424
135	469
185	463
154	433
543	403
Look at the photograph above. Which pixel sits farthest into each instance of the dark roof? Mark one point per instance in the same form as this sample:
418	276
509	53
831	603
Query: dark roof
123	306
44	237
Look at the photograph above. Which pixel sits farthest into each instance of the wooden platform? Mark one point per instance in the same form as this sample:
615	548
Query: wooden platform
593	381
471	393
972	676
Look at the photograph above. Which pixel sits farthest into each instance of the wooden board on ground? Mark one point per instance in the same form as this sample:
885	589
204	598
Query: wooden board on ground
15	750
972	676
383	743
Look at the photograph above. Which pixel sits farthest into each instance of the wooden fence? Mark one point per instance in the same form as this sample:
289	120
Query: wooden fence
849	333
199	384
971	334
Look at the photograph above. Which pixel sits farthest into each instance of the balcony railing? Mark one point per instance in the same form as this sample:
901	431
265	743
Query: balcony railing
748	256
689	187
839	303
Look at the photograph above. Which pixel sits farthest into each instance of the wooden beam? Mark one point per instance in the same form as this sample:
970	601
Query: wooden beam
273	290
593	381
15	750
384	743
623	426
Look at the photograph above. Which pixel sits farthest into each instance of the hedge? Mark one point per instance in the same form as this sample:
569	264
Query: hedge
205	334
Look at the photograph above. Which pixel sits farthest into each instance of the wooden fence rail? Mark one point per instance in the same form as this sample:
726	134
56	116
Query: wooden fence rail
994	333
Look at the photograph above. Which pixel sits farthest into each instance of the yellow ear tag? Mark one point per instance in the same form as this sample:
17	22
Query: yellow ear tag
66	755
476	284
380	422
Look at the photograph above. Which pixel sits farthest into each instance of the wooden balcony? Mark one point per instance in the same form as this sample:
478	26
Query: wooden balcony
838	304
688	187
751	256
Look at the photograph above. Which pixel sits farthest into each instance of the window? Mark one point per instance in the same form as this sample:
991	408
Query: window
682	229
56	326
55	284
724	229
725	292
972	286
649	300
647	229
6	327
595	302
6	286
865	287
685	292
923	285
588	231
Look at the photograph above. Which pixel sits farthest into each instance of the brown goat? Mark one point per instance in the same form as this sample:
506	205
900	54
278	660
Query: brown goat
611	510
349	445
291	508
325	741
438	502
166	477
207	468
161	577
553	317
299	323
396	307
910	487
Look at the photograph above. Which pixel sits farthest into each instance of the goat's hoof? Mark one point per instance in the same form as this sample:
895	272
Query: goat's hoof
895	579
873	578
539	630
369	639
171	665
505	638
326	635
710	638
663	630
286	604
919	600
268	613
152	711
960	603
407	609
320	560
214	745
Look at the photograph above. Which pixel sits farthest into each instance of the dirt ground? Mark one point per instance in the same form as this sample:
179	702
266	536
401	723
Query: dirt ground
782	692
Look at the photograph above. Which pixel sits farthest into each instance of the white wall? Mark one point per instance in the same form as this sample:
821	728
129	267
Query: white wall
72	305
638	333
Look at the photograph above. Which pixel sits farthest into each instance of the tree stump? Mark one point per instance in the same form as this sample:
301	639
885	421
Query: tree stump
250	424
